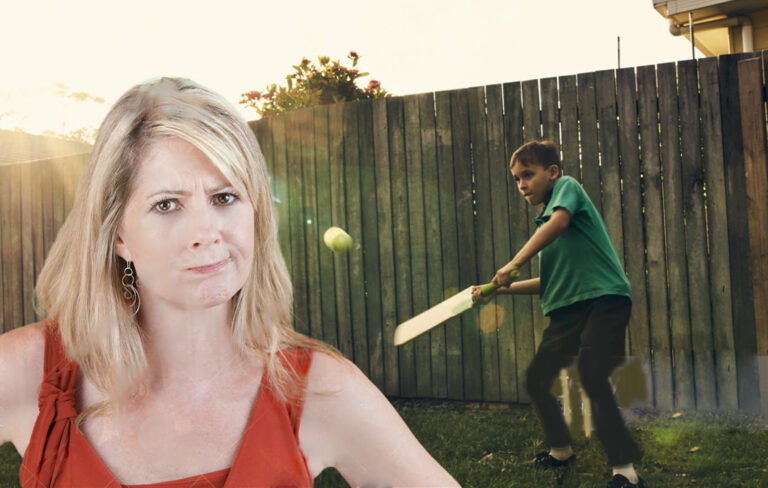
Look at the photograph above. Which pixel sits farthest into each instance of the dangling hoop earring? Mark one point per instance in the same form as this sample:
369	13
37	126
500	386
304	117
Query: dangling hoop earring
129	290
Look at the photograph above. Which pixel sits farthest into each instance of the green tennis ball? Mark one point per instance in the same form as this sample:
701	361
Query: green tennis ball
337	240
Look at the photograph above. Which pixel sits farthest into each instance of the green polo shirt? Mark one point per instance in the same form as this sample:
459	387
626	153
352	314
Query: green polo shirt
582	262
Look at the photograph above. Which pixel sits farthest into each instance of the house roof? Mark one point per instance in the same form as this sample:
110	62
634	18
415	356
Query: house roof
678	9
17	147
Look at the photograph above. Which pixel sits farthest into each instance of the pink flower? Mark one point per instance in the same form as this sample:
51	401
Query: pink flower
373	85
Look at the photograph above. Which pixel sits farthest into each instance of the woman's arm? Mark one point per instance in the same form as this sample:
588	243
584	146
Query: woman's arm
21	374
349	424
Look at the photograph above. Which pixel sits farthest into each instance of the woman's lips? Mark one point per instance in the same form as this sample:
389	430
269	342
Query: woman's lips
211	267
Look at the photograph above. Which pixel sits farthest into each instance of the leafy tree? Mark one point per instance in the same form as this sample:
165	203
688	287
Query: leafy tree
310	85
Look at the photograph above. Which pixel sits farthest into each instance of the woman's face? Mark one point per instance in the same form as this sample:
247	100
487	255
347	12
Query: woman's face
189	236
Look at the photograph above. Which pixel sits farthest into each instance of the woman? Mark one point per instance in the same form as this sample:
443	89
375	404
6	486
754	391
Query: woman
169	358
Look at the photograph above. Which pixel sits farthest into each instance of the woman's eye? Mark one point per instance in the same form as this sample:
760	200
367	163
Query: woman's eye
164	206
225	198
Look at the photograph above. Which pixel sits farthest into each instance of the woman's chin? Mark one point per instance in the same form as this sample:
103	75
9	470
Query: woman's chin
210	298
215	299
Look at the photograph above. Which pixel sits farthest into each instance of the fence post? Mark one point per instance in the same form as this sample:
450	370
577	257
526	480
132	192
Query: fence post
755	164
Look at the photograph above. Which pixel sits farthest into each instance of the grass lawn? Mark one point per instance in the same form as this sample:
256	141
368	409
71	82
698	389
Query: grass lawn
487	446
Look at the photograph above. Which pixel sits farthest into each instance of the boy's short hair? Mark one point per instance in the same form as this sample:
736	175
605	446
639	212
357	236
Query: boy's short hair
541	153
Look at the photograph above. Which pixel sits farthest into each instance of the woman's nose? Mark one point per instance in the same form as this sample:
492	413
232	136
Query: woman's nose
205	229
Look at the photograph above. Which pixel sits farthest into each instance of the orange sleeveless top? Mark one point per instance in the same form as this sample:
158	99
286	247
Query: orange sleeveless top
59	456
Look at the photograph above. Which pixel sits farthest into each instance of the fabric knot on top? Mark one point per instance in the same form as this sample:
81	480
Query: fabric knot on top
63	401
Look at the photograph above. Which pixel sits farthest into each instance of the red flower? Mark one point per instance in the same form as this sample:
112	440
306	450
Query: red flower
373	85
251	95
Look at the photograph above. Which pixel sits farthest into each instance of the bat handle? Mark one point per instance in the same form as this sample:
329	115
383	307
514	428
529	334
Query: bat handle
489	288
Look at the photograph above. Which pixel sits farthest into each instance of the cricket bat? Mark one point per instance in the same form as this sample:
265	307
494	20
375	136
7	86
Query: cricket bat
429	319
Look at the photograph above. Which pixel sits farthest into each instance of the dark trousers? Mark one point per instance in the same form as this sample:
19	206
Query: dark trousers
592	332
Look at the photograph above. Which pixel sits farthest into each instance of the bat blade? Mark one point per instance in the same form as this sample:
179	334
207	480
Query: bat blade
434	316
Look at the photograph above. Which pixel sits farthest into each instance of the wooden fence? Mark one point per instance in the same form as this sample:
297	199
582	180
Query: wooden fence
673	156
35	198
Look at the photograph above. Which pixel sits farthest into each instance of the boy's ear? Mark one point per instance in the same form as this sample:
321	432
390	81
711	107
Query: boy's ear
553	170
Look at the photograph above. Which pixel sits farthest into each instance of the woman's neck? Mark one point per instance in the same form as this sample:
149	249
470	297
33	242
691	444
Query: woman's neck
188	348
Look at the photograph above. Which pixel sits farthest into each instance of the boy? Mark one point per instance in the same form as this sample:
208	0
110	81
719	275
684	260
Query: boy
587	296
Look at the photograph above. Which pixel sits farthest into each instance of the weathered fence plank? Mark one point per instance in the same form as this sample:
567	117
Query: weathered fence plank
531	131
590	154
13	240
696	236
386	250
263	131
296	222
465	236
677	276
400	238
502	307
38	228
339	219
448	239
756	172
46	169
605	88
518	229
434	277
569	126
654	235
281	189
550	116
356	288
324	221
632	217
7	251
738	234
486	318
370	242
27	224
309	221
417	239
717	223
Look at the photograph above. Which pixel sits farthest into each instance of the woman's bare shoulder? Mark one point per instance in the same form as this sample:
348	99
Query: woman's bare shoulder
27	338
22	352
21	362
330	373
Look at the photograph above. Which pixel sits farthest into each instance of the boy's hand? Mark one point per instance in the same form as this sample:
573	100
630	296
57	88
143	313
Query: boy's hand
502	276
477	296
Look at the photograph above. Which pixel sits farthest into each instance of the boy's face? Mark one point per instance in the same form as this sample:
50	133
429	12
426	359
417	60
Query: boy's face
535	182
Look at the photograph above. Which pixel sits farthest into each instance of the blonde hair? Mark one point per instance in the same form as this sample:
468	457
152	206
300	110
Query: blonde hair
80	283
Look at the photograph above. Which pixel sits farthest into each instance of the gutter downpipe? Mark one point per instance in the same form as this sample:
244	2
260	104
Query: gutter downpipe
742	21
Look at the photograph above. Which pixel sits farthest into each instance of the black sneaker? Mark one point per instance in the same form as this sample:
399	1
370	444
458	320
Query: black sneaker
620	481
545	460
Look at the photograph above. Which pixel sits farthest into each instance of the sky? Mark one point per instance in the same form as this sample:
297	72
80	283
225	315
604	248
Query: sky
65	63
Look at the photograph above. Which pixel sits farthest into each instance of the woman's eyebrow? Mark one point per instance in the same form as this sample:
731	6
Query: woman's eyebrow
184	193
